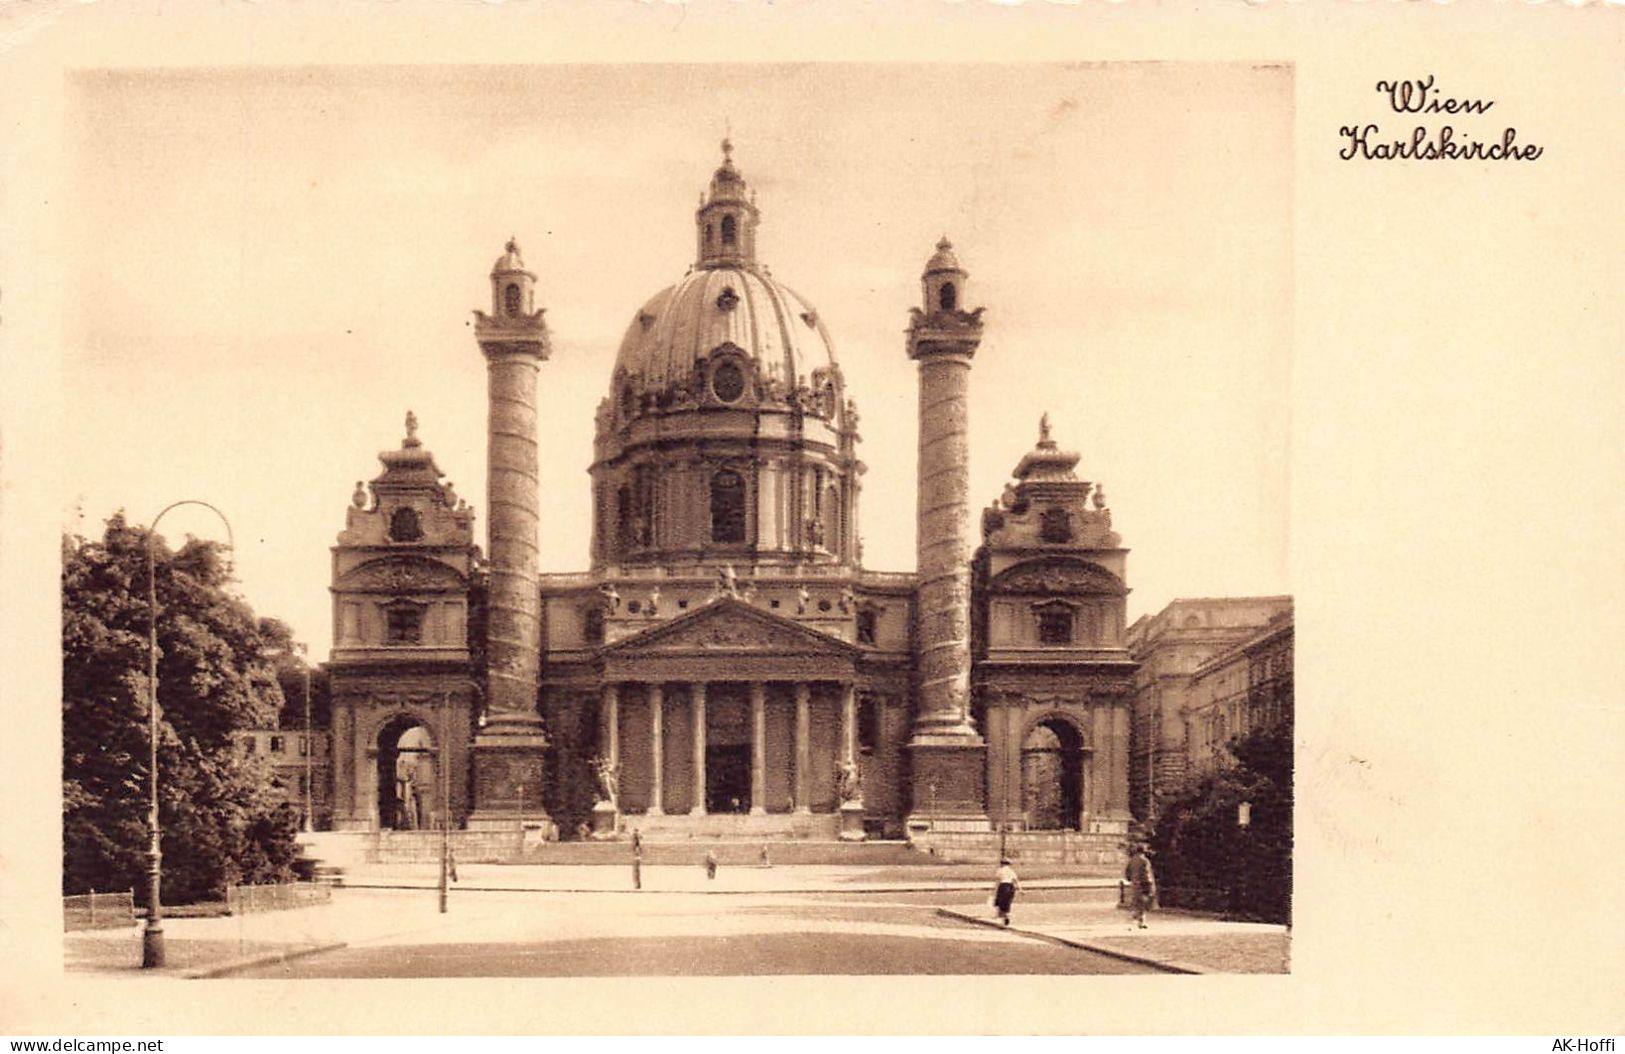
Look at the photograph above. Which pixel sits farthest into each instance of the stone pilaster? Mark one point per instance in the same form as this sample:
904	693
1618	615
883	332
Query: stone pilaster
610	733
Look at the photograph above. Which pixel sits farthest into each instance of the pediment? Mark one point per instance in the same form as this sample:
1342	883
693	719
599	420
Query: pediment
1058	577
729	626
397	575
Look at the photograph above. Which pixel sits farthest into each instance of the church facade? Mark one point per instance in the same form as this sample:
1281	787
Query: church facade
725	664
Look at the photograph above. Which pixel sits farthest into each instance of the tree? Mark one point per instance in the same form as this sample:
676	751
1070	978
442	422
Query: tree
1206	859
221	822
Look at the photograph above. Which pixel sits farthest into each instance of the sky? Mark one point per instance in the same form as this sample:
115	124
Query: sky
269	266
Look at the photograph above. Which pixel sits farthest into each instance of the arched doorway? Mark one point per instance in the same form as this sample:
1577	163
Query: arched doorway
408	777
1052	777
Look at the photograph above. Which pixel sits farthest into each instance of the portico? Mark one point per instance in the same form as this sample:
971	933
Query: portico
729	709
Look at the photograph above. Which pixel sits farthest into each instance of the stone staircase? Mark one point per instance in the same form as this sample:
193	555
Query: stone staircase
336	852
732	827
690	852
1093	849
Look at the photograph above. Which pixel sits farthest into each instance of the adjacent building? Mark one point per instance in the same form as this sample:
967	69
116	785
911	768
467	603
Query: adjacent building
300	764
1195	683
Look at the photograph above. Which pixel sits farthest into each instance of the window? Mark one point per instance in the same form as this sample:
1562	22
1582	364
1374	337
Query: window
510	298
1055	526
624	533
404	525
728	381
730	230
592	626
727	507
866	626
250	744
404	623
947	297
1055	625
276	744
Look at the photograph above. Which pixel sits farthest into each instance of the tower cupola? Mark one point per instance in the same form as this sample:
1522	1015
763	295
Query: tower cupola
943	282
725	223
513	288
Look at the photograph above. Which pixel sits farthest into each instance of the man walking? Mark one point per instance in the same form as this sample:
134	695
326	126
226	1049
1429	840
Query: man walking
1142	884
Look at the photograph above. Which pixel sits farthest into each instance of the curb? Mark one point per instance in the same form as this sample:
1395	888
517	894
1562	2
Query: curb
250	962
1166	965
821	890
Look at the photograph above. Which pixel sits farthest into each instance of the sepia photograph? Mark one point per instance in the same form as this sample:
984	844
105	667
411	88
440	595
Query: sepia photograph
726	519
842	505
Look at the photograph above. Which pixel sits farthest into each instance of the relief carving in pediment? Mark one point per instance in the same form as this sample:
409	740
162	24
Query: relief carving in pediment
395	576
1058	578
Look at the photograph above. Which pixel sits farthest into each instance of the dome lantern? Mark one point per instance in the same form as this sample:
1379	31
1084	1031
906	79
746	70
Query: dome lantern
725	222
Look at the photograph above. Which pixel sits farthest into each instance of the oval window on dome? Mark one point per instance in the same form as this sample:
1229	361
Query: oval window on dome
728	381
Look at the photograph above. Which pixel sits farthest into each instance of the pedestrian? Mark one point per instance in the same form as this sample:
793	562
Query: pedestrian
1004	894
1142	884
765	861
710	864
637	860
451	863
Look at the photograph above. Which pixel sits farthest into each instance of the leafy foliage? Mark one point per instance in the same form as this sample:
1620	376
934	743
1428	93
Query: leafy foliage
1206	859
221	822
572	734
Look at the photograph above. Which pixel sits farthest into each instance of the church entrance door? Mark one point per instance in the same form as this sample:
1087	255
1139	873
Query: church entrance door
727	749
727	779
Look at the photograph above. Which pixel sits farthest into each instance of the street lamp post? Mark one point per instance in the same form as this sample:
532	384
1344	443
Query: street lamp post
152	936
445	808
310	757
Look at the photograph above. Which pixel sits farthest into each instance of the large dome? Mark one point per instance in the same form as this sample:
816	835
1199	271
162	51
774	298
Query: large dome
711	307
727	436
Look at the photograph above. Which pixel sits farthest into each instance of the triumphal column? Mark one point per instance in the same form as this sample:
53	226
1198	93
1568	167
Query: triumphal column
946	753
508	747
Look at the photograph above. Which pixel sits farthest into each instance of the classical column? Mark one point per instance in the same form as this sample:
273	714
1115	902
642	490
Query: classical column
657	750
610	733
508	751
947	758
758	747
803	744
696	707
849	722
